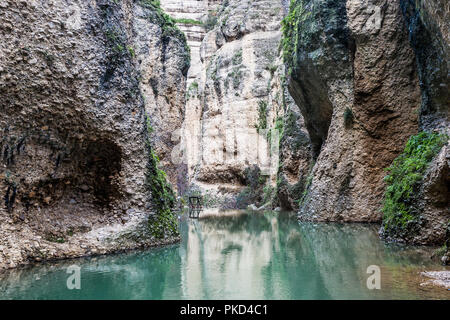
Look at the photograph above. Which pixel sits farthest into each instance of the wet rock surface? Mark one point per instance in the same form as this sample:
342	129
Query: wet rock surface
366	76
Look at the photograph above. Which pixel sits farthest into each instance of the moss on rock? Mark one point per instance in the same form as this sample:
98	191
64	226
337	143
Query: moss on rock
164	222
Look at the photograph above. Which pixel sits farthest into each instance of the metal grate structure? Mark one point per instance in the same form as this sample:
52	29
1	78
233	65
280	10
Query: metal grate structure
195	206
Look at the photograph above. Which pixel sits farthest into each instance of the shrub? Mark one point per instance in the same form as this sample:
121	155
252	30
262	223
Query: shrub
268	194
279	125
188	21
192	90
236	77
272	68
116	41
237	58
262	115
291	27
404	178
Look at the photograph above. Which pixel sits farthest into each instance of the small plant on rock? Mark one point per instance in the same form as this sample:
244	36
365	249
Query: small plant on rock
404	180
348	117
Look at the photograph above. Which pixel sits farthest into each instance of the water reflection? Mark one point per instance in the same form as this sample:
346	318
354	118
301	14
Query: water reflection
245	256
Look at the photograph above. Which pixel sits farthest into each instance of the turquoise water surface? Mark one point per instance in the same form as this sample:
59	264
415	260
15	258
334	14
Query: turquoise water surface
244	256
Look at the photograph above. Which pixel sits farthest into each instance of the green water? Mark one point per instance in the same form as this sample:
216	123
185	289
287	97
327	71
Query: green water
248	256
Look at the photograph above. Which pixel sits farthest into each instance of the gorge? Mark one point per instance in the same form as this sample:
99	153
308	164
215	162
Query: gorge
113	112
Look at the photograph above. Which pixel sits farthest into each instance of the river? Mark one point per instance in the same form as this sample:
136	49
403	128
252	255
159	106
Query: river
242	256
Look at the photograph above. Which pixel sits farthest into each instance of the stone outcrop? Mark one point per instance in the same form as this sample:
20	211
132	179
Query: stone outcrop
295	156
427	22
434	201
80	84
240	93
163	63
367	75
354	78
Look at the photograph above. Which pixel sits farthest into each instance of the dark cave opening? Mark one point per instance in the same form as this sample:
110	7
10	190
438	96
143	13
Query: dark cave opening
102	163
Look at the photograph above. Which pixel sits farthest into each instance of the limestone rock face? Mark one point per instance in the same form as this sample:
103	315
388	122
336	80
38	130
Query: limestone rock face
428	26
435	201
295	156
192	18
354	78
163	63
74	138
238	93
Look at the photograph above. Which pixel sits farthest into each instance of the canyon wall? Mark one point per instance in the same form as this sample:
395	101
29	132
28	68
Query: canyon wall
356	82
367	76
194	18
429	207
83	87
300	106
237	103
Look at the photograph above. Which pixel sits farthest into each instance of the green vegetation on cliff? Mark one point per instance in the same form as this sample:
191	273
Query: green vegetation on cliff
167	23
188	21
168	26
404	179
164	222
262	115
291	27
